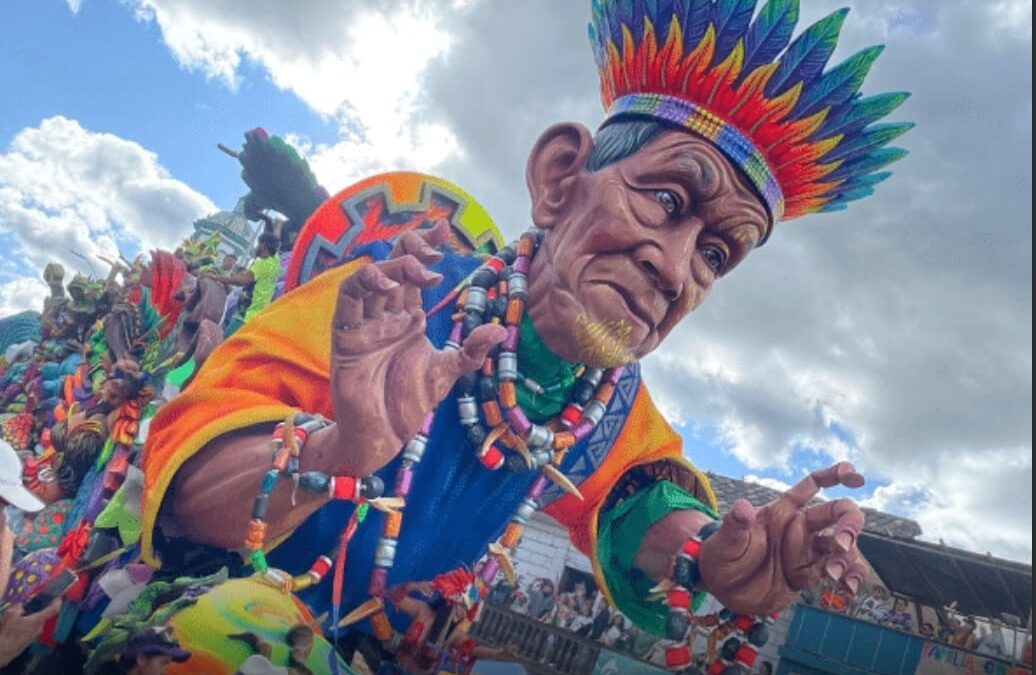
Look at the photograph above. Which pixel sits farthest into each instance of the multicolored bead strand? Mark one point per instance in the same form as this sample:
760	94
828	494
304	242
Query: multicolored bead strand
385	550
286	449
748	633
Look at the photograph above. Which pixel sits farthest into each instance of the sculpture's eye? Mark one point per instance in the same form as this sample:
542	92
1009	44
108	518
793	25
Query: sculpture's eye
715	256
669	200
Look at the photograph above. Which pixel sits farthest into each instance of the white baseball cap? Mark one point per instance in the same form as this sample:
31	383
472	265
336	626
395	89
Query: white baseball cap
12	489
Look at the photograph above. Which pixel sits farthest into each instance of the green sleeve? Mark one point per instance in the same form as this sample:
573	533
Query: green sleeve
619	531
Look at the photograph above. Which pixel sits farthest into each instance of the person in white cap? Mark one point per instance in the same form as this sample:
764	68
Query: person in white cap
17	630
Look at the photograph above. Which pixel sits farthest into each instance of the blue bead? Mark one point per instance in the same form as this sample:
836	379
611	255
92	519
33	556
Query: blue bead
314	481
685	572
269	481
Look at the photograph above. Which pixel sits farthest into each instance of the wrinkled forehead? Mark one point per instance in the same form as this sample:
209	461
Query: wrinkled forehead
680	151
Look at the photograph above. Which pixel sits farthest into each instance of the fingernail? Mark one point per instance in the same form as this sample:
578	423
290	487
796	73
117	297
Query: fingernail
834	570
844	540
853	584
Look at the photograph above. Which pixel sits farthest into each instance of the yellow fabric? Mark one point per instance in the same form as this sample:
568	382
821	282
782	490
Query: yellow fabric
274	365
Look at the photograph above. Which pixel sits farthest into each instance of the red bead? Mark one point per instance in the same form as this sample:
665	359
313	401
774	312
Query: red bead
717	667
678	597
321	566
746	655
345	488
743	622
571	414
495	264
378	582
691	548
677	658
493	459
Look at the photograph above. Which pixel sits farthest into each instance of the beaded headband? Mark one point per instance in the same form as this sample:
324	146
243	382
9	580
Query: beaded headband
803	137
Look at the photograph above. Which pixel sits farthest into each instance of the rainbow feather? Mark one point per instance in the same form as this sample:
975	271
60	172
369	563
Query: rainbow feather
806	139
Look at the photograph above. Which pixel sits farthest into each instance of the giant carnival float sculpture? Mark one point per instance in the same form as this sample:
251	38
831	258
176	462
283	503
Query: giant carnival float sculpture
387	426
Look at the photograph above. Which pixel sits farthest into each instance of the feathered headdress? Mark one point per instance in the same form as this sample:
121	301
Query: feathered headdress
802	136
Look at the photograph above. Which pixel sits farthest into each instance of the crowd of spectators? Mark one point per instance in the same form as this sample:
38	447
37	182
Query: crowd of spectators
876	605
584	611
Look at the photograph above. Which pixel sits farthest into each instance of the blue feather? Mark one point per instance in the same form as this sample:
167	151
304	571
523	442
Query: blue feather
770	33
837	85
651	10
857	113
853	194
610	23
871	139
660	12
694	18
632	15
731	19
851	190
595	44
866	164
807	54
867	179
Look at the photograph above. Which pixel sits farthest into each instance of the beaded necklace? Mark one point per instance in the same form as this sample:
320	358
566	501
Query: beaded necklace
496	292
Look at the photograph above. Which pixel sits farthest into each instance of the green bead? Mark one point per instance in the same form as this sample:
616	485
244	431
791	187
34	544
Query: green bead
259	562
361	512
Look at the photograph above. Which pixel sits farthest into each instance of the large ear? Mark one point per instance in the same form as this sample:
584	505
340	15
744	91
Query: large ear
555	162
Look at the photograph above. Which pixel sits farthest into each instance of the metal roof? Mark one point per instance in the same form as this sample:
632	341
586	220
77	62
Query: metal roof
939	575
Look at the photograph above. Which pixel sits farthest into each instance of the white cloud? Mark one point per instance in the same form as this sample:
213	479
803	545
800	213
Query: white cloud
771	483
68	195
1013	15
18	295
74	5
981	503
904	322
359	64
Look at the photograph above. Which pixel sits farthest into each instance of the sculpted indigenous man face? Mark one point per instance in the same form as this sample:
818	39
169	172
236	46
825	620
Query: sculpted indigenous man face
634	246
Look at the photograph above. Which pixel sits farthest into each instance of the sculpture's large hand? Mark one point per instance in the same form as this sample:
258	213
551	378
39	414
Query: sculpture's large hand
385	374
759	559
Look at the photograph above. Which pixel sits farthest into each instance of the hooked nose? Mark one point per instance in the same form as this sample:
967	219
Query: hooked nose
665	275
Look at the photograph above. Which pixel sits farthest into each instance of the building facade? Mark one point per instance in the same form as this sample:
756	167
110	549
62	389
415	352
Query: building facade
237	236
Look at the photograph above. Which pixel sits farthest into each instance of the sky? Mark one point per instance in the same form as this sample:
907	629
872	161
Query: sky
897	334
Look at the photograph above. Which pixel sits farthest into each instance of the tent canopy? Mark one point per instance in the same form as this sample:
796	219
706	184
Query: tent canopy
938	575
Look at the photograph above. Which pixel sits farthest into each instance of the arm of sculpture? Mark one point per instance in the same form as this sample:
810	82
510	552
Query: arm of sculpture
646	500
760	559
385	376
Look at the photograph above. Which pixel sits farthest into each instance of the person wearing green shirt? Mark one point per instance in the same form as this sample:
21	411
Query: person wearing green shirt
261	275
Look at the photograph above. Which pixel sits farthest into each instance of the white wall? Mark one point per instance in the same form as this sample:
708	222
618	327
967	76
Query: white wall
545	551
